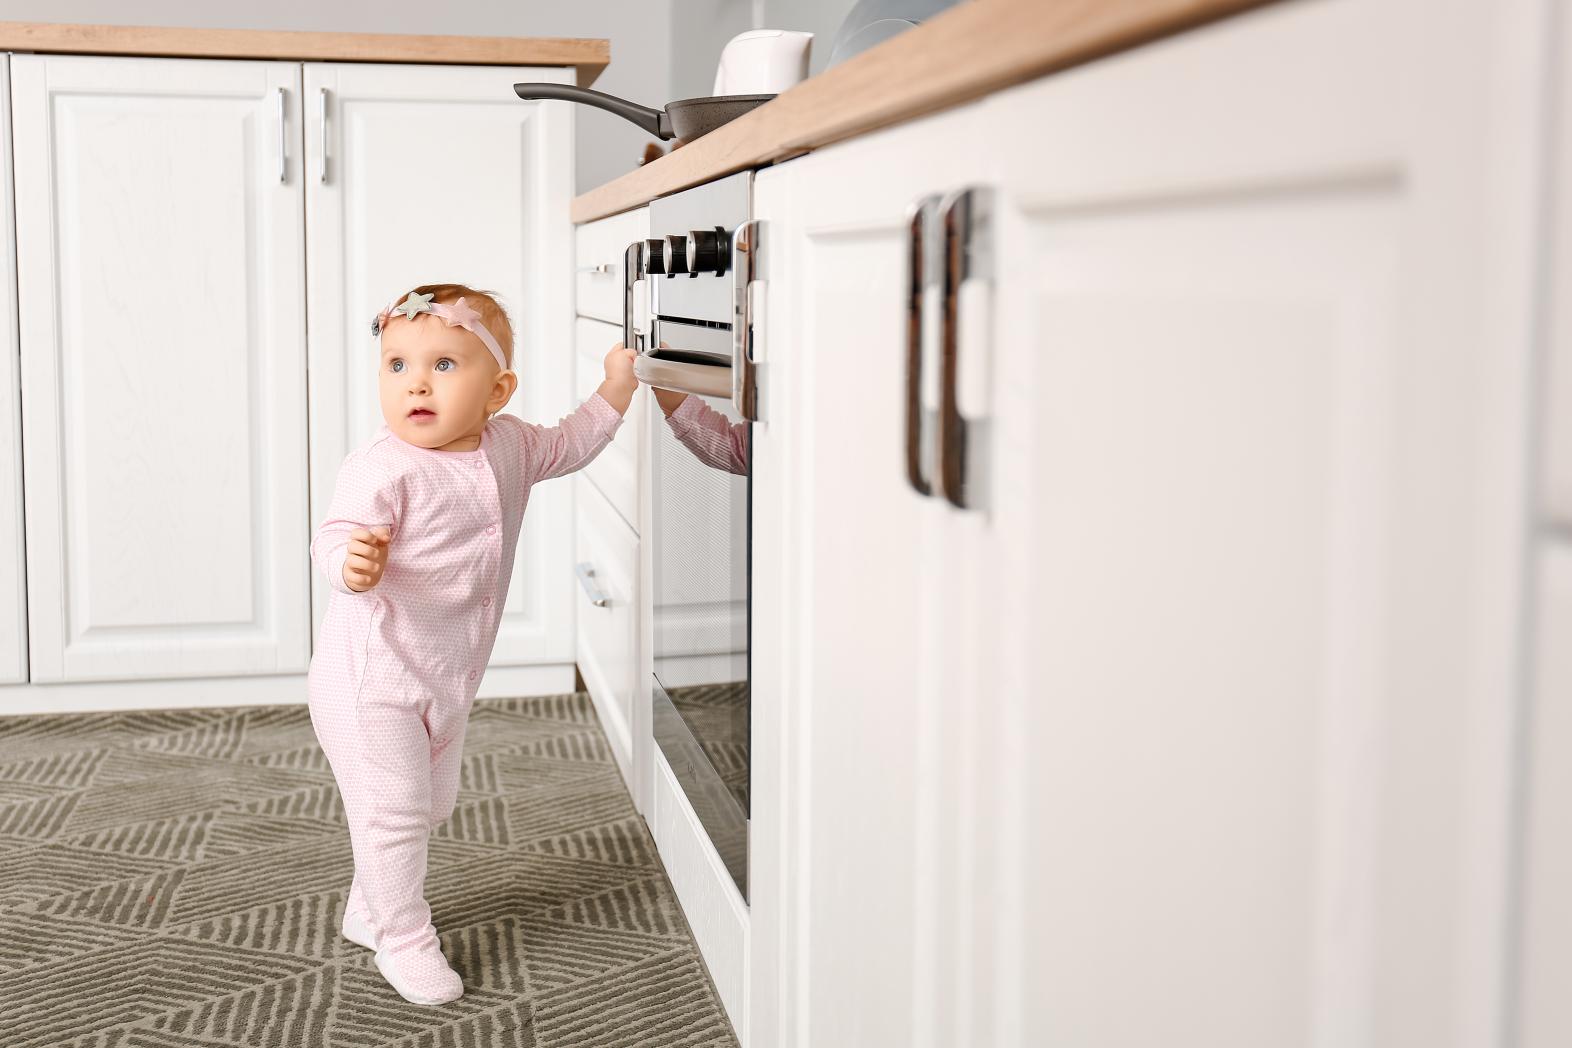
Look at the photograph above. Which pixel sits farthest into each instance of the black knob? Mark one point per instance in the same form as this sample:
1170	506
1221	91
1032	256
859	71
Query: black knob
654	256
676	255
707	250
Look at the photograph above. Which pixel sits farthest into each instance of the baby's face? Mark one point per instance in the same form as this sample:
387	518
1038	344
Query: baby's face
436	381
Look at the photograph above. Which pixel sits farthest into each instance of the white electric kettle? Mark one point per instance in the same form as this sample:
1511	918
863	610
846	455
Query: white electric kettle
763	62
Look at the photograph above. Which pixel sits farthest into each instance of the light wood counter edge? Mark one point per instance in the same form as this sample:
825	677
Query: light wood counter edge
963	53
589	57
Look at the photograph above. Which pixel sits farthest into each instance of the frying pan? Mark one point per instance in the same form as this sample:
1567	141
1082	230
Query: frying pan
686	119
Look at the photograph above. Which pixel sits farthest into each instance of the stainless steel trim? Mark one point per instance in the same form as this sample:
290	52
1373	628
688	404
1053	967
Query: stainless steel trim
967	215
322	126
632	270
704	379
745	245
919	274
586	574
281	154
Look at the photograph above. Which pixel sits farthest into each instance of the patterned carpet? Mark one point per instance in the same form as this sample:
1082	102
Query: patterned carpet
176	878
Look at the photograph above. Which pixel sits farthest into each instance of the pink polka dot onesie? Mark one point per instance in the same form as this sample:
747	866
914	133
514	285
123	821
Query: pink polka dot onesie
396	667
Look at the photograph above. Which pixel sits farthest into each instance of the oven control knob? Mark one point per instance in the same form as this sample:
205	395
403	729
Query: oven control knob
707	251
654	256
676	255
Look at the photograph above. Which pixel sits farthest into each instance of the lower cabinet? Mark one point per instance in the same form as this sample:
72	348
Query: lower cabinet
615	471
1165	697
606	564
13	554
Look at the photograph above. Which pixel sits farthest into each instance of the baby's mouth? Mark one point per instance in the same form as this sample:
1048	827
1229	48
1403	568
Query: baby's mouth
421	413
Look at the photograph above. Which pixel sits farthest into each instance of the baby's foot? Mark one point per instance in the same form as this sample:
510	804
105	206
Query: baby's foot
357	929
420	974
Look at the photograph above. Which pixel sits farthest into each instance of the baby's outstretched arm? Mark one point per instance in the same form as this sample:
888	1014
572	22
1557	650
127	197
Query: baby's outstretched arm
714	439
579	436
360	520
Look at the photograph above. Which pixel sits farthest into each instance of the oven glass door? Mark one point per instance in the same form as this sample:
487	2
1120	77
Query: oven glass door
701	502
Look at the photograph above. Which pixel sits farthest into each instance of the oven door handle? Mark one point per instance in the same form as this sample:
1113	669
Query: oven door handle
632	273
708	380
744	274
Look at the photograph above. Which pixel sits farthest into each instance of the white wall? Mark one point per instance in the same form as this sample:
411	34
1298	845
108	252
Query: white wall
639	31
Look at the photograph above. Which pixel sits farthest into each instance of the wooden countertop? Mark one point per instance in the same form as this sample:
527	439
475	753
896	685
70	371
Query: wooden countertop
963	53
588	56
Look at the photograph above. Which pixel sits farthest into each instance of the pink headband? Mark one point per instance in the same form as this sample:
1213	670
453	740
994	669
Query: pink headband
456	315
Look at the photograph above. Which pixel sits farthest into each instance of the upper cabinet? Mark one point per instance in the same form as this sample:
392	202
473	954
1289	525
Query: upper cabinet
437	174
161	277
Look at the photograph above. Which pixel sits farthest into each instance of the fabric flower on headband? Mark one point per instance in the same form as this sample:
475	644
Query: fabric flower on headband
456	315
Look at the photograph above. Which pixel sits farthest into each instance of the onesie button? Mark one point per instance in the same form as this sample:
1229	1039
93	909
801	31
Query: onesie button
471	674
491	529
478	463
485	602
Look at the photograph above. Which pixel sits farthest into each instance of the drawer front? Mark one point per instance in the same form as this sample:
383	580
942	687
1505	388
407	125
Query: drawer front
599	248
615	470
606	563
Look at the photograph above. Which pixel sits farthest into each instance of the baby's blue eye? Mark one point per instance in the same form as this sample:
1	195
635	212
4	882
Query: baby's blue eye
444	360
395	366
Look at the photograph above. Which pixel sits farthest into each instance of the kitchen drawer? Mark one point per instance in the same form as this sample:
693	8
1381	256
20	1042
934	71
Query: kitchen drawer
599	248
606	563
615	470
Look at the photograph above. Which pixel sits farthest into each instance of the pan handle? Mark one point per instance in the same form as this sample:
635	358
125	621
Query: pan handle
655	121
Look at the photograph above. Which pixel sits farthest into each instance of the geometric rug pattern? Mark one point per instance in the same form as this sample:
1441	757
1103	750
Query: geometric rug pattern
177	877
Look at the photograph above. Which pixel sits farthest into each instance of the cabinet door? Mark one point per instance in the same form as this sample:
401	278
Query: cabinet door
13	554
850	632
160	260
1258	402
427	174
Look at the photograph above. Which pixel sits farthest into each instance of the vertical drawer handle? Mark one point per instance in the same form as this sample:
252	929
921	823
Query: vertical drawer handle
322	124
921	271
967	216
282	156
592	590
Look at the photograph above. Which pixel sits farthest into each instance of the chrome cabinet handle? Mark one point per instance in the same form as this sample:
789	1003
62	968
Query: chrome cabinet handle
632	271
592	590
322	124
921	271
603	268
967	215
745	244
281	154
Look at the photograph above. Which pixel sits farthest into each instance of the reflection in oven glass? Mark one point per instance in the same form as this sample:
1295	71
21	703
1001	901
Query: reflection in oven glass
700	556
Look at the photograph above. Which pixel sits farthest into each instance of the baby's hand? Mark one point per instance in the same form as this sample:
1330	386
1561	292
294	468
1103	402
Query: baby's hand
620	382
619	368
368	555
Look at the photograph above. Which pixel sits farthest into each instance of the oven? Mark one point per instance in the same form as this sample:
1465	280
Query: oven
697	271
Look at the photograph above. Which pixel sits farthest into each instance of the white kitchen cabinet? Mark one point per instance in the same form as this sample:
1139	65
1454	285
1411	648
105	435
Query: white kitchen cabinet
606	566
1195	725
600	248
160	273
430	174
13	555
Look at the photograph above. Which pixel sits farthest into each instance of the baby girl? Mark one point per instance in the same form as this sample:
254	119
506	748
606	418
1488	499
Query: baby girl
418	548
